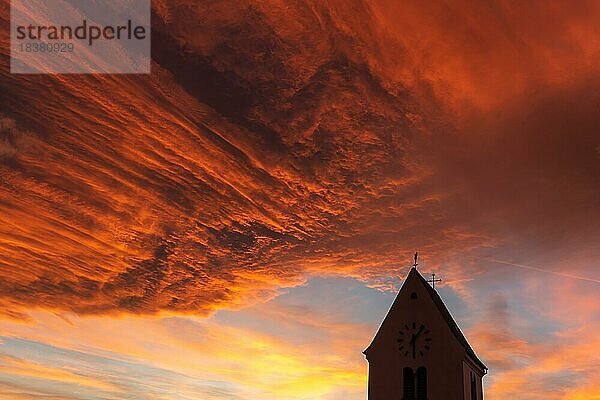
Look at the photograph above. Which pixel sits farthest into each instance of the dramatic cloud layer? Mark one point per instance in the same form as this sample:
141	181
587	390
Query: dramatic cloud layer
280	140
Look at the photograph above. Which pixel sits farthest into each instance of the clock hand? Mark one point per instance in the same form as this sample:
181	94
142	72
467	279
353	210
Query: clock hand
414	337
413	341
420	330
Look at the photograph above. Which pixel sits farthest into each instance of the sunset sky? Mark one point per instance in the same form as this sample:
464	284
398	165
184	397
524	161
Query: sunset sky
236	224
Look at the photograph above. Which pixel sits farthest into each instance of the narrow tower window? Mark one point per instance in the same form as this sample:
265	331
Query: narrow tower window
409	384
473	387
422	383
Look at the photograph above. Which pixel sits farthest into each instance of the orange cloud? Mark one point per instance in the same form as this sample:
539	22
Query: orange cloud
11	366
563	365
316	142
274	366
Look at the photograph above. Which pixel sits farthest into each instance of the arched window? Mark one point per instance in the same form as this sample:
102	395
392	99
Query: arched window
422	383
413	296
409	384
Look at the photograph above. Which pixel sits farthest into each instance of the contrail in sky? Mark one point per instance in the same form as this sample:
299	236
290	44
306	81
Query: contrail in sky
581	278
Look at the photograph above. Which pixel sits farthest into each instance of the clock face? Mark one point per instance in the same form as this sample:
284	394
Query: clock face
414	340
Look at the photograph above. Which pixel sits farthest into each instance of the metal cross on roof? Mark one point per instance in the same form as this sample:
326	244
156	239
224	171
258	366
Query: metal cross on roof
416	256
433	280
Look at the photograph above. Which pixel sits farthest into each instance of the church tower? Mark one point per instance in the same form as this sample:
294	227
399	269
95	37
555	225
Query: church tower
419	353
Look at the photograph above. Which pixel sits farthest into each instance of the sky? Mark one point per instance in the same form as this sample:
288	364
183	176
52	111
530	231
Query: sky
236	224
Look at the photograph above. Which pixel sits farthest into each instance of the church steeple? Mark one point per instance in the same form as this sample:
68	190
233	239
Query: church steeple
418	338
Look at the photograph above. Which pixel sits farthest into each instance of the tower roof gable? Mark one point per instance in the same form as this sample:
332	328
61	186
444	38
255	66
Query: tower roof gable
414	275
